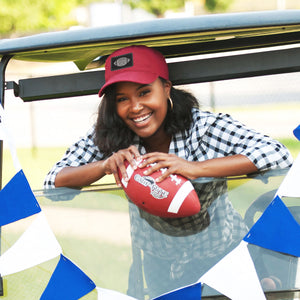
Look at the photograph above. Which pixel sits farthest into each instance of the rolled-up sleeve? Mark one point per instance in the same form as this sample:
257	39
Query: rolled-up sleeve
80	153
262	150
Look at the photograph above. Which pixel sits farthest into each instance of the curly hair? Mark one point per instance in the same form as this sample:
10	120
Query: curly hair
112	134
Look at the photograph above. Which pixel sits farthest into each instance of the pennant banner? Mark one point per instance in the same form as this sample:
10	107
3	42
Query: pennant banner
36	245
235	276
67	282
6	136
276	230
190	292
17	200
290	186
105	294
297	132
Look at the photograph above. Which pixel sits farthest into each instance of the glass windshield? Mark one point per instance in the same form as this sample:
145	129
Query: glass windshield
122	248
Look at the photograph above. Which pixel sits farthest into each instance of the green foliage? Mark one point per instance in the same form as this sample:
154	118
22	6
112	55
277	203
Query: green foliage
217	5
156	7
31	16
159	7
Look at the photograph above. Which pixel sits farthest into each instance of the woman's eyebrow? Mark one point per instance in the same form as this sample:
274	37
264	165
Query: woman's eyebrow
143	85
138	88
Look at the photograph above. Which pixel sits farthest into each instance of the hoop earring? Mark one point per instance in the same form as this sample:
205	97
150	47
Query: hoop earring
171	103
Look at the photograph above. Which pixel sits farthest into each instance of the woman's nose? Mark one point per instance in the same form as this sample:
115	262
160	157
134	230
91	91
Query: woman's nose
136	105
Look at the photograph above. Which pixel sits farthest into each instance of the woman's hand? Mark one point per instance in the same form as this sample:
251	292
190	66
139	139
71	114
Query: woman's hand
170	163
233	165
116	161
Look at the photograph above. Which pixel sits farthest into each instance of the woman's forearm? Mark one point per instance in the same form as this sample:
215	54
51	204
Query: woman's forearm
216	167
224	166
80	176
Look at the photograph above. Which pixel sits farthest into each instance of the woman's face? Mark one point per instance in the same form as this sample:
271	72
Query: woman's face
143	107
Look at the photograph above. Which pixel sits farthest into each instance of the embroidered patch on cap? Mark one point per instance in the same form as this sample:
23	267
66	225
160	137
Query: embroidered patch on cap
121	62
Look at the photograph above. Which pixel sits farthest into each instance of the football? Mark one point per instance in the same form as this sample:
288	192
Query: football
174	197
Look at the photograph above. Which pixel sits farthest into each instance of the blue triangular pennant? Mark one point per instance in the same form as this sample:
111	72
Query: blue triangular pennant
190	292
276	230
67	282
297	132
17	200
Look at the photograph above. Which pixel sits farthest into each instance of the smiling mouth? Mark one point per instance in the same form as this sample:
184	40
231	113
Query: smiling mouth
142	118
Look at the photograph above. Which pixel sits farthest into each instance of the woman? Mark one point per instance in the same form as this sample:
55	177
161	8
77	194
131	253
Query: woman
143	117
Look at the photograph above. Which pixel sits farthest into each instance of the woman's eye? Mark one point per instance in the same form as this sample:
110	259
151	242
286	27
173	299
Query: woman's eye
143	93
121	99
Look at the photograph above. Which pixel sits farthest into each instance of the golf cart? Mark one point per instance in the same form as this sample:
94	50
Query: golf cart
94	225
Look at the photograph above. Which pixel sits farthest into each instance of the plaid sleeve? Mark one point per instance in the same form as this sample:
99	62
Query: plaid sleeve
229	137
82	152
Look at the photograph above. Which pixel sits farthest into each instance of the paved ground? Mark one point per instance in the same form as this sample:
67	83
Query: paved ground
270	104
60	123
97	225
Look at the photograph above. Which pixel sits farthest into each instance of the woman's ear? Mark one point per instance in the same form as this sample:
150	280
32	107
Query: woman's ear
168	86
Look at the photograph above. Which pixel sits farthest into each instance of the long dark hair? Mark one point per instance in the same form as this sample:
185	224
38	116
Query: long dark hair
112	134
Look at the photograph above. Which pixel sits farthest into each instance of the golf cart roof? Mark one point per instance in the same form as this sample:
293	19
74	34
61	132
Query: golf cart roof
221	34
185	36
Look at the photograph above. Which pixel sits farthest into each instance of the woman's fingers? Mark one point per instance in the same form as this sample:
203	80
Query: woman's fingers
117	163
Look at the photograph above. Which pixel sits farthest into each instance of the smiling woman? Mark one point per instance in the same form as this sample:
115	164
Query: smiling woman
143	108
143	117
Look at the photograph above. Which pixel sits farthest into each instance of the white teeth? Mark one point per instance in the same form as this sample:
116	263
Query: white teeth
141	119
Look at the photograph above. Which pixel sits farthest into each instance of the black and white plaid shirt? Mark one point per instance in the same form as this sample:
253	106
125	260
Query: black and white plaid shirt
218	226
210	136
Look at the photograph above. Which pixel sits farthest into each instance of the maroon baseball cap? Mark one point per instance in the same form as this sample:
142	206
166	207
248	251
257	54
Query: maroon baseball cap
138	64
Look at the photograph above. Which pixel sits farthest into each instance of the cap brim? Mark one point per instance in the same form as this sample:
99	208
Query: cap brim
133	76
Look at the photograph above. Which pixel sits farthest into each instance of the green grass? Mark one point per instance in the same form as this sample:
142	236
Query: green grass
243	192
37	162
107	265
293	145
105	200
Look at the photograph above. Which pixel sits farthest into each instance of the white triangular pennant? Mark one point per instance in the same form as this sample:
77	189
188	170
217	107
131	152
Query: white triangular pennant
36	245
290	185
105	294
234	276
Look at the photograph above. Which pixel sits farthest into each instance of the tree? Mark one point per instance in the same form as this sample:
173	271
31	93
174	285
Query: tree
23	17
31	16
159	7
156	7
217	5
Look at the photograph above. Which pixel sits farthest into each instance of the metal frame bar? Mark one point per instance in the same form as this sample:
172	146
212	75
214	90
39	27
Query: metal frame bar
182	72
3	64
